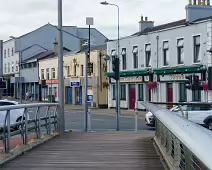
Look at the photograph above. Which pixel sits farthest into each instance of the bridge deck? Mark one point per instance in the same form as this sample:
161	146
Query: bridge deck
89	151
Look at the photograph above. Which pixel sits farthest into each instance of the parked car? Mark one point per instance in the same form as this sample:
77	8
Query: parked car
201	115
15	115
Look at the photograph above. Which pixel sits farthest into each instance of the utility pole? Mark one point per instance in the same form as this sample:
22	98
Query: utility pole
1	63
20	79
61	73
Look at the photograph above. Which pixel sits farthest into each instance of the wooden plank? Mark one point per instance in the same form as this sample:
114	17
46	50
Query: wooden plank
89	151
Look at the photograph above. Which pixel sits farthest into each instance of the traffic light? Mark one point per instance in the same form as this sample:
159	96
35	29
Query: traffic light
115	68
188	83
196	83
3	83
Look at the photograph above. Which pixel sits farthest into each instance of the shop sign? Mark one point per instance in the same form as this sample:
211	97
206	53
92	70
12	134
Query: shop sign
75	82
128	79
176	77
90	94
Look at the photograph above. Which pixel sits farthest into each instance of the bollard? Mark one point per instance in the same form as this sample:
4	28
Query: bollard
89	120
136	117
186	115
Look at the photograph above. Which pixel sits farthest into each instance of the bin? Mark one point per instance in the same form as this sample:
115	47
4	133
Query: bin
51	98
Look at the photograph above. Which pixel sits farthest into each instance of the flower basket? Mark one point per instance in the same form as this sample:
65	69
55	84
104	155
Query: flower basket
152	85
105	84
205	86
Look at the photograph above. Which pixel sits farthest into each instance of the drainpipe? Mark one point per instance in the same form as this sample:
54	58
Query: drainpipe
157	38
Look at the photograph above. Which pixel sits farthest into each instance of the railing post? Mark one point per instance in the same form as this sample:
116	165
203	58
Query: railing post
89	120
37	123
8	131
48	124
177	152
26	126
136	117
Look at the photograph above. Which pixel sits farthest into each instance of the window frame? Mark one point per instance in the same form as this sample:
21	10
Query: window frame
195	45
148	54
182	98
135	57
42	74
53	73
113	92
123	92
124	59
180	54
165	53
141	93
47	74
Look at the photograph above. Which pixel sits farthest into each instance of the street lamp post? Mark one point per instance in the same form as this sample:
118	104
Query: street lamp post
61	73
117	81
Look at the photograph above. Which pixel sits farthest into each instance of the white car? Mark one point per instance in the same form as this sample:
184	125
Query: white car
15	115
197	114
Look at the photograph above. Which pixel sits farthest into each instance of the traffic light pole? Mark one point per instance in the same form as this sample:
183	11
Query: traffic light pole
118	83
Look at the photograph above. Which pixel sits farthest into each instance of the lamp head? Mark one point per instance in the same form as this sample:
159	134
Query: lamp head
104	3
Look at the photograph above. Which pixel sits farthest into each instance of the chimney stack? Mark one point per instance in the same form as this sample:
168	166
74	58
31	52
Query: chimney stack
145	23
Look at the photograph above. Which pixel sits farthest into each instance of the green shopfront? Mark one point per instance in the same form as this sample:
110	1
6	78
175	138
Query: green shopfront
171	84
133	88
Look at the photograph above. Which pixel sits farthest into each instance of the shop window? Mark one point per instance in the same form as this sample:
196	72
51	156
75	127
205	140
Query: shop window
140	92
123	92
114	92
196	95
182	92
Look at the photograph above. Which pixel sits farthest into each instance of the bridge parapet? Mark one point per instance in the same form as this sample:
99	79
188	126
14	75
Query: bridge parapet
183	144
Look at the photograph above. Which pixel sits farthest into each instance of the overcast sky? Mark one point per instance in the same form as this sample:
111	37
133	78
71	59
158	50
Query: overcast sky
21	16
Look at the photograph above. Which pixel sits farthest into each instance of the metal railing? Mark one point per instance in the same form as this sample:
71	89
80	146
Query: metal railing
183	144
29	123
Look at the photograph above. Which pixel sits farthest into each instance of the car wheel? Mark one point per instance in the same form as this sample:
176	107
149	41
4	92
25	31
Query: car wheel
19	126
210	125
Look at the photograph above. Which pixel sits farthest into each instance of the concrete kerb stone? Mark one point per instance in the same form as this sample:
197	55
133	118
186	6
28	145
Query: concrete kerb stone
20	149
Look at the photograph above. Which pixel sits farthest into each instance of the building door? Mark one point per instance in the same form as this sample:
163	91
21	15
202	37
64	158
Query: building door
80	95
69	95
132	96
169	94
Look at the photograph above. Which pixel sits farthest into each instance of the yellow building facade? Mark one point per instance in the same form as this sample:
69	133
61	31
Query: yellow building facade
74	77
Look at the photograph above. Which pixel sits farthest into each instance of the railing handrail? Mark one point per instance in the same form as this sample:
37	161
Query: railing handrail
21	106
184	103
186	131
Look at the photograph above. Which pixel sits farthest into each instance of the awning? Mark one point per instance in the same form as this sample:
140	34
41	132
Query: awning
130	73
179	70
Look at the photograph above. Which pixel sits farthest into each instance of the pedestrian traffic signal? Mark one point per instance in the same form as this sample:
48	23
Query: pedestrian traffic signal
115	68
188	83
196	83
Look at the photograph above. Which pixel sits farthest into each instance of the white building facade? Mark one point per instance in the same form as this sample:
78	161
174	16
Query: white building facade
155	61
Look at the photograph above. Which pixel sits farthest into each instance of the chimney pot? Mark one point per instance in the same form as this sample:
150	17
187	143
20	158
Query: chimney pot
208	2
190	2
146	18
194	2
203	2
199	2
142	18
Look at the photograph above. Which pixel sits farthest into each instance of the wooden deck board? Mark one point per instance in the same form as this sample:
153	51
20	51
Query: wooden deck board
89	151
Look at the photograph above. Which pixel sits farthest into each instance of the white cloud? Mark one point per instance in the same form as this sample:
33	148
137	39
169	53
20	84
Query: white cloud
20	17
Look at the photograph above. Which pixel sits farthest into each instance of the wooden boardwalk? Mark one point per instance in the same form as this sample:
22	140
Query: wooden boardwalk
92	151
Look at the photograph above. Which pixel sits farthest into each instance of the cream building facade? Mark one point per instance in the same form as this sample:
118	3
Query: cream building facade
74	77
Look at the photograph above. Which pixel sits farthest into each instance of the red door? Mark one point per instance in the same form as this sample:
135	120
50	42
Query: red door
169	94
132	97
